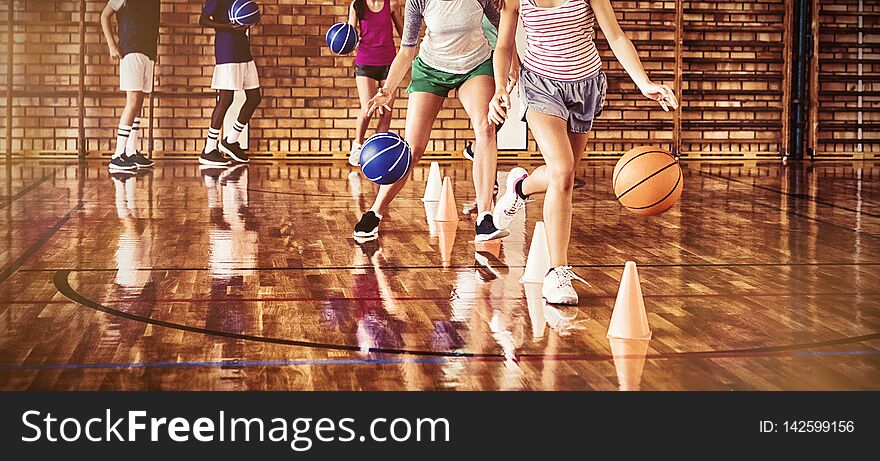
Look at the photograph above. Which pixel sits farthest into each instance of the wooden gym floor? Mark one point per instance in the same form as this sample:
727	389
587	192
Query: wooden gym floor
764	277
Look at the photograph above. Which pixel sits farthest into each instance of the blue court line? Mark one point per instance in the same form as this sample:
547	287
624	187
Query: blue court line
288	363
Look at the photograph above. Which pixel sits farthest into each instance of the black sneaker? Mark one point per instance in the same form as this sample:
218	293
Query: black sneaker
122	163
486	230
140	160
234	150
214	158
368	227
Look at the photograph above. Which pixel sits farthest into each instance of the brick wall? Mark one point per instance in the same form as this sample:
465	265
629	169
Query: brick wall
849	100
732	79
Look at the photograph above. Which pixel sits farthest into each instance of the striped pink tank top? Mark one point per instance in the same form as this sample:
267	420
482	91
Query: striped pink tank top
560	40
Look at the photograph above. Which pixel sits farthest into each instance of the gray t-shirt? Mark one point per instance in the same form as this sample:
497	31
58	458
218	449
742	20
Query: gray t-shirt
454	41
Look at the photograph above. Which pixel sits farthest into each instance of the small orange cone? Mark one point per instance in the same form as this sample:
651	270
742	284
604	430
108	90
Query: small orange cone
492	246
629	320
447	211
629	361
433	188
446	240
538	262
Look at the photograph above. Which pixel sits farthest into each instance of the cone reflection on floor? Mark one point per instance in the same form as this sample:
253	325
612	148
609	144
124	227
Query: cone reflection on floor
535	302
538	262
430	214
629	319
432	189
446	209
446	240
492	247
629	361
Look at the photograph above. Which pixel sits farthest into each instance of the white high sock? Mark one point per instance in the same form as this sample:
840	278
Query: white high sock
131	145
212	141
232	137
122	139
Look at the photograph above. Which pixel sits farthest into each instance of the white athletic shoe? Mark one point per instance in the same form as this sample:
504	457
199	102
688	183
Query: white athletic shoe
557	287
510	203
354	157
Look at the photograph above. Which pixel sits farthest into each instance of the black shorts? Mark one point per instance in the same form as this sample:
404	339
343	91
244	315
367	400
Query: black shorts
377	73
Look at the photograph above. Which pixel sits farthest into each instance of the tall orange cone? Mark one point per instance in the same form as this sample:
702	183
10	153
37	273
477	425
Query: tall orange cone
446	240
434	186
538	262
447	211
629	361
629	320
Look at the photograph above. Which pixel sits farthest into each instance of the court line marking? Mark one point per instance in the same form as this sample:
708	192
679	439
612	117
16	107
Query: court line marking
461	266
15	265
7	200
394	361
62	284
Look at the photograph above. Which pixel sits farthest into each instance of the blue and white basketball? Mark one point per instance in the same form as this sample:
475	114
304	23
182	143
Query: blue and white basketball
244	12
342	38
385	158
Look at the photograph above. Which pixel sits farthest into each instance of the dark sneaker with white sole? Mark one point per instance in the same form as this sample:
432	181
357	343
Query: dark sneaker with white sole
486	230
234	150
214	158
140	160
368	227
122	163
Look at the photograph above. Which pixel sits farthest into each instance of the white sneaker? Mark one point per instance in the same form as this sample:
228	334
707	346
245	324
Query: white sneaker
510	203
354	158
557	287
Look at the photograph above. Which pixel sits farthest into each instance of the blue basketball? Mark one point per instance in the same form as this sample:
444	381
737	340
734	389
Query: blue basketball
244	12
342	38
385	158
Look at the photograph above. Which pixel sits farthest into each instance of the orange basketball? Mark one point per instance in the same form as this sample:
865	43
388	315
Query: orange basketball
647	181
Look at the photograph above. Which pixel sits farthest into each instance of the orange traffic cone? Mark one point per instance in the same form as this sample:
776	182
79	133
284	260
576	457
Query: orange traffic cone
434	186
629	320
446	240
629	361
447	211
492	246
538	262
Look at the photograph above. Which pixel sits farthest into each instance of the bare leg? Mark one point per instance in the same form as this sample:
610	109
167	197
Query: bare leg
134	102
421	112
384	123
555	143
475	95
537	182
223	104
250	105
366	89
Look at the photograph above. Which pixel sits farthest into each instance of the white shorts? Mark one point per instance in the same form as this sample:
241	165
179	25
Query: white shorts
236	76
136	73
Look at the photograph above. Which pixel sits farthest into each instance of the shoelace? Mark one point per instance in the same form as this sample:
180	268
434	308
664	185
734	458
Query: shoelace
564	275
516	206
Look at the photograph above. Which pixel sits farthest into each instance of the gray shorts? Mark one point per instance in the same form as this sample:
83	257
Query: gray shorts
577	101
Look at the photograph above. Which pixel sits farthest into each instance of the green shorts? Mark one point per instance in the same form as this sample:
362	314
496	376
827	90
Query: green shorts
426	79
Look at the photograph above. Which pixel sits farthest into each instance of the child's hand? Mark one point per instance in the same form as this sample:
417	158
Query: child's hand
380	102
498	107
231	27
115	54
662	94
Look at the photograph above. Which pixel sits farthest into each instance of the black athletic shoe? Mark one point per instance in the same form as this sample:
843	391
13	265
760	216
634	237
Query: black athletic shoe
140	160
486	230
468	152
122	163
234	150
214	158
368	227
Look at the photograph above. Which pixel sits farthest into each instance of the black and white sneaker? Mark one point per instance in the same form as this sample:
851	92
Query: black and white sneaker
234	150
368	227
214	158
122	163
486	229
140	160
468	151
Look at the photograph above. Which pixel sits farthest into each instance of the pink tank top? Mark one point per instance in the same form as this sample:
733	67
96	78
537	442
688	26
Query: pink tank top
376	47
559	40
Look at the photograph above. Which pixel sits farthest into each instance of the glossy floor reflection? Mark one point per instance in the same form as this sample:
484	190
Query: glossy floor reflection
764	277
